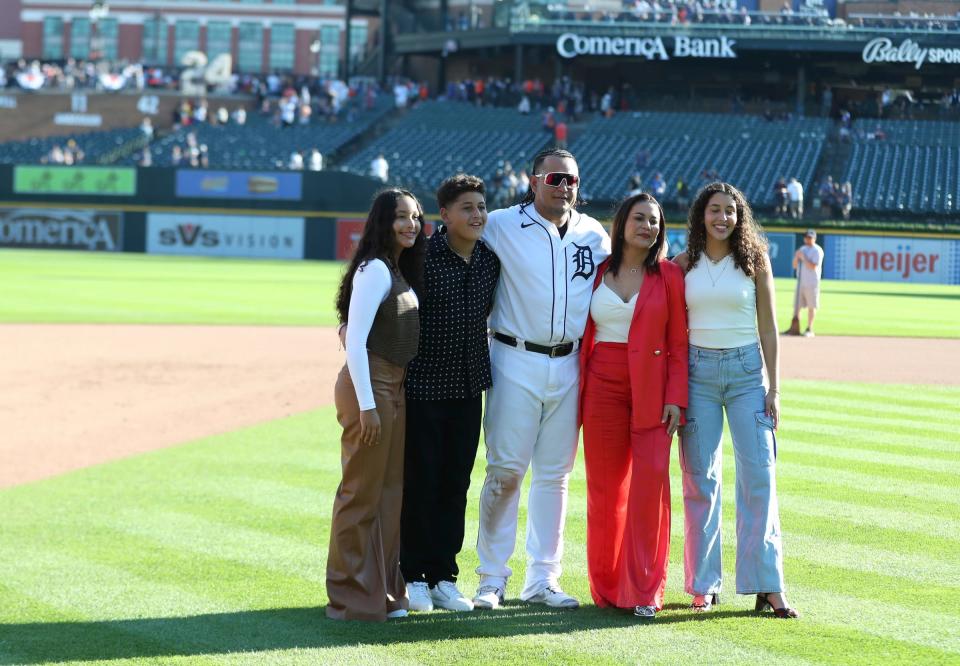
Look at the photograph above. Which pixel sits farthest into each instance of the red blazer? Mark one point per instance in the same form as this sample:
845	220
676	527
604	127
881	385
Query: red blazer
656	345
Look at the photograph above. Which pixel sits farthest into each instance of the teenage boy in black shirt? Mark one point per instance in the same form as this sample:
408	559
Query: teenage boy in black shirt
445	385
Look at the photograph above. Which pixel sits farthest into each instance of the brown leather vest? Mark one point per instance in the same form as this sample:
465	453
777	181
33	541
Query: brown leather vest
395	334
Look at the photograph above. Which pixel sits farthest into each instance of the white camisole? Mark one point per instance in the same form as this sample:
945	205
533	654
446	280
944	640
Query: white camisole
721	305
611	315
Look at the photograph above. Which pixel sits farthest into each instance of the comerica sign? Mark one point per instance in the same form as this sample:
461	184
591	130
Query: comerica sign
571	45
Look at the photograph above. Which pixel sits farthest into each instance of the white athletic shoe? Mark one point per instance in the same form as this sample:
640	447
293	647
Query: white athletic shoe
420	600
394	615
446	595
555	598
808	334
488	597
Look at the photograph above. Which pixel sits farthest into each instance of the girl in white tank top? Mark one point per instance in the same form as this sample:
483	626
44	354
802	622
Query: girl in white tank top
730	301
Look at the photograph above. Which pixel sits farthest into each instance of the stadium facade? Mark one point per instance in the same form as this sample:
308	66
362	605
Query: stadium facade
287	36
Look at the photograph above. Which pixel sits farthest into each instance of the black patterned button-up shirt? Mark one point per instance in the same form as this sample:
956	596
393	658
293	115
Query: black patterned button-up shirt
454	358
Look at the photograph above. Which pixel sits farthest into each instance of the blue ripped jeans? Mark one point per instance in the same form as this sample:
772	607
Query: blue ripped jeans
731	380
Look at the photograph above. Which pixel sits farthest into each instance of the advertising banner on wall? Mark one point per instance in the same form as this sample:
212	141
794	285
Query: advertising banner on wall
268	186
782	246
349	231
101	181
225	235
891	259
61	229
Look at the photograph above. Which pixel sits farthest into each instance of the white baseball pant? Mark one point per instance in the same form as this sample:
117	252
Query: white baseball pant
531	418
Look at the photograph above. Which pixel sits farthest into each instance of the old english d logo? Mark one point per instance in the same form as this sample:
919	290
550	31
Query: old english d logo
583	265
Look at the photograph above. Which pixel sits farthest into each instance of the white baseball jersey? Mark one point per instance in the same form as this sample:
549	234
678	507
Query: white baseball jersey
545	281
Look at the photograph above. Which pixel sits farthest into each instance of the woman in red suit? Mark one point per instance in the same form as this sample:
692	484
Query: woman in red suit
633	387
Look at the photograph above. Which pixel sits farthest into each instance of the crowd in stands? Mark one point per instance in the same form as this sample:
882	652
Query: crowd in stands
67	154
728	12
836	198
280	106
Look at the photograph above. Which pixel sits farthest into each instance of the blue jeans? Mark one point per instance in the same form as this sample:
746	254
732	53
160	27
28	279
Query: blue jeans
730	379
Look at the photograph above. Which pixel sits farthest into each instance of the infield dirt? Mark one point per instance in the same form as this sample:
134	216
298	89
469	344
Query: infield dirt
79	395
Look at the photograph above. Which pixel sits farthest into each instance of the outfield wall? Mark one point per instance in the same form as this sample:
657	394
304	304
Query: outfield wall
310	215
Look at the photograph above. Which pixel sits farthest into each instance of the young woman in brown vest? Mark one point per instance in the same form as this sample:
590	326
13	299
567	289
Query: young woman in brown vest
378	297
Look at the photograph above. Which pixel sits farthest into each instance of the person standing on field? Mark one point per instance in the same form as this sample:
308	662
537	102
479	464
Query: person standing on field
731	312
808	262
445	385
548	253
378	300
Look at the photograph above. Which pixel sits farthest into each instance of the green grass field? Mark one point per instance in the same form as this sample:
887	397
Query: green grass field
213	552
43	286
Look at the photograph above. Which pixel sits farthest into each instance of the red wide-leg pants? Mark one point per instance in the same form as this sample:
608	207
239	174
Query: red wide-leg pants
628	489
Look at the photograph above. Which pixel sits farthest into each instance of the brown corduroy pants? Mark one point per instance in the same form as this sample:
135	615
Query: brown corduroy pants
363	565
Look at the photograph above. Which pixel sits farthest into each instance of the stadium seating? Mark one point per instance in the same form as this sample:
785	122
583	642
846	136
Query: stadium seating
914	169
259	144
96	146
437	139
748	151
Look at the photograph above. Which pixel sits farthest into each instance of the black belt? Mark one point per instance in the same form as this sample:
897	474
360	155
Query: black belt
553	352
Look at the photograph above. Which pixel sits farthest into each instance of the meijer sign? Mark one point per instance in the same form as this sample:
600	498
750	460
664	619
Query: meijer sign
570	45
885	259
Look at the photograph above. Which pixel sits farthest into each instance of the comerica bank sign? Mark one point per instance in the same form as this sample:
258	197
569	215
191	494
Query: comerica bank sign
571	45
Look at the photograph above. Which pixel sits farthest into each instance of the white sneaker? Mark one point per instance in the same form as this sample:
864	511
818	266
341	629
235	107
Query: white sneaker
394	615
488	597
419	593
555	598
446	595
808	334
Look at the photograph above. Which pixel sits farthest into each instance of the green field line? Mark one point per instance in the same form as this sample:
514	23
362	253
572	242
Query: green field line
912	427
861	515
887	472
889	538
811	408
829	477
942	468
857	439
899	396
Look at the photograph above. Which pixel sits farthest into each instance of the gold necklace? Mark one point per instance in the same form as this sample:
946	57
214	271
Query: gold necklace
723	261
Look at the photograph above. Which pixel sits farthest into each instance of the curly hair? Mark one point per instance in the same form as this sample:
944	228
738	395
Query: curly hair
748	242
377	242
657	250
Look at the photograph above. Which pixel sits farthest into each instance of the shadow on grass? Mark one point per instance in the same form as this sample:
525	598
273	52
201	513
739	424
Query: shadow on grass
289	628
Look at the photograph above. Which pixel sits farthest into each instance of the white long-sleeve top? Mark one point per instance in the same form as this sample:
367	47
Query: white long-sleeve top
371	286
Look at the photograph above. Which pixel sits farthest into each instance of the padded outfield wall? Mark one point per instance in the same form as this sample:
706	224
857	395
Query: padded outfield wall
319	215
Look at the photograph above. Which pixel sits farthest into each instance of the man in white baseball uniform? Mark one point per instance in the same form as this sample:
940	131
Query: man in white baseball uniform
548	254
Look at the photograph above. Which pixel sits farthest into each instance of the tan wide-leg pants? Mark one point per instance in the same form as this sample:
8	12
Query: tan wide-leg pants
363	565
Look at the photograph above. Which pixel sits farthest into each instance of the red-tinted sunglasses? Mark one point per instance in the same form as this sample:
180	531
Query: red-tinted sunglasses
558	178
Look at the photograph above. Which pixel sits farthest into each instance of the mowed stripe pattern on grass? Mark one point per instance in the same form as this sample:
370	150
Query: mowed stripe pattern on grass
214	553
42	286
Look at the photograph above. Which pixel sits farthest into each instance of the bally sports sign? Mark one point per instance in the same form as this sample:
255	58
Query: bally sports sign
571	45
882	49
